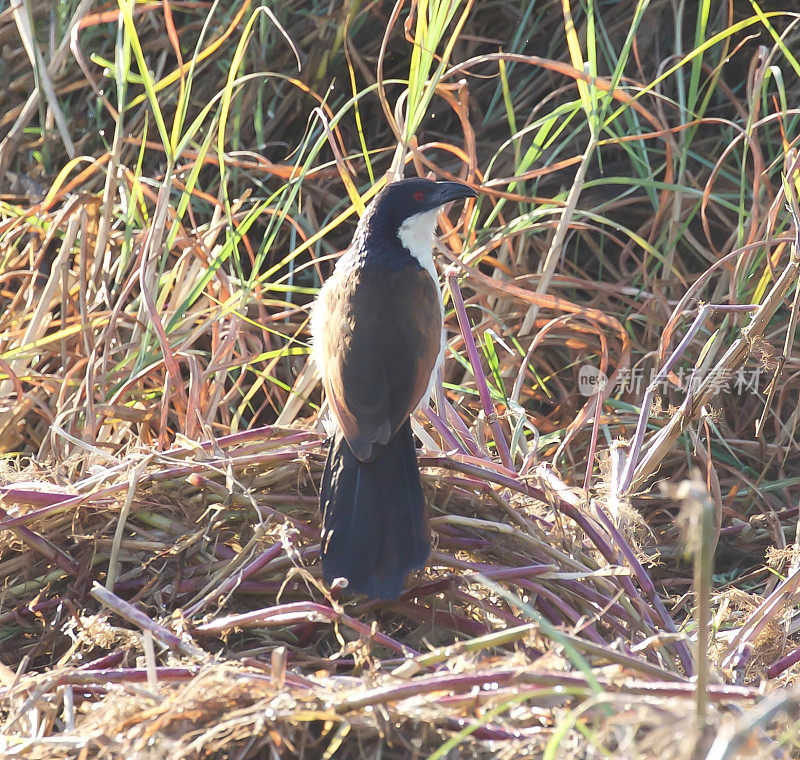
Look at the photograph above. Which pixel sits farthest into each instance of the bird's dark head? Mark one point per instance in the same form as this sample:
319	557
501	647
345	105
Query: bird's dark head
406	211
406	198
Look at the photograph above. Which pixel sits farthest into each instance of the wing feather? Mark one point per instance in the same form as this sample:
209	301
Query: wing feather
380	342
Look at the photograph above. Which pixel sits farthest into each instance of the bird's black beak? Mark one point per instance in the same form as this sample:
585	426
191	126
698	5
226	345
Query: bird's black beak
452	191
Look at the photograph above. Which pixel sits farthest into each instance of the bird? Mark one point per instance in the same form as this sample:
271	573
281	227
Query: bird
378	339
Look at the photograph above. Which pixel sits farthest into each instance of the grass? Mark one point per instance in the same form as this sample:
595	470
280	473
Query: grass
176	181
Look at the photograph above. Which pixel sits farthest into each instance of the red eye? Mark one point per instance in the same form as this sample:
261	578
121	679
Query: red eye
419	195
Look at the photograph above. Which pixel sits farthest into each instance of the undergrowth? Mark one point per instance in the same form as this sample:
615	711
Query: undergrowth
610	458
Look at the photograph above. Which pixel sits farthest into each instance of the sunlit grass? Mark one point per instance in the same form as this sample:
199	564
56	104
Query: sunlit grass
196	169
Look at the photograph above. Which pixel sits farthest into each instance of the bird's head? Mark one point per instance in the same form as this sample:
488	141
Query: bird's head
406	210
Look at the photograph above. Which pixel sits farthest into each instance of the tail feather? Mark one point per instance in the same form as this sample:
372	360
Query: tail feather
373	521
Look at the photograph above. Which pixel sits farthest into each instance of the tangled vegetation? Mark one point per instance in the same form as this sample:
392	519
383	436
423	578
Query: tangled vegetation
611	458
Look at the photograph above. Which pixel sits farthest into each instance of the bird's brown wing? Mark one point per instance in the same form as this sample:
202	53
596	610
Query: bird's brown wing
381	338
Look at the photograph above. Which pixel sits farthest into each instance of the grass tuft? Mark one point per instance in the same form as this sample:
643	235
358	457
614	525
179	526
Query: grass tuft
177	179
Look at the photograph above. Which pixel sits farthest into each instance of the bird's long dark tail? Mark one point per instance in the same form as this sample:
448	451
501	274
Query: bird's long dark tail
374	530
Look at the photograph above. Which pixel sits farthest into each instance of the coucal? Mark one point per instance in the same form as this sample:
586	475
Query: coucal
377	328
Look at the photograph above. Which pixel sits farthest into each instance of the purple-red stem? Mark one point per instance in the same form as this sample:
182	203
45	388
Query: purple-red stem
230	583
297	612
477	371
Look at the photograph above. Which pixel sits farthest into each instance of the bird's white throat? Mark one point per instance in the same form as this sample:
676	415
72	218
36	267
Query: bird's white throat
416	235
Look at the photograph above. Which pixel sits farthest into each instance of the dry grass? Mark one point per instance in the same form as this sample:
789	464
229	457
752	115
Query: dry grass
174	191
